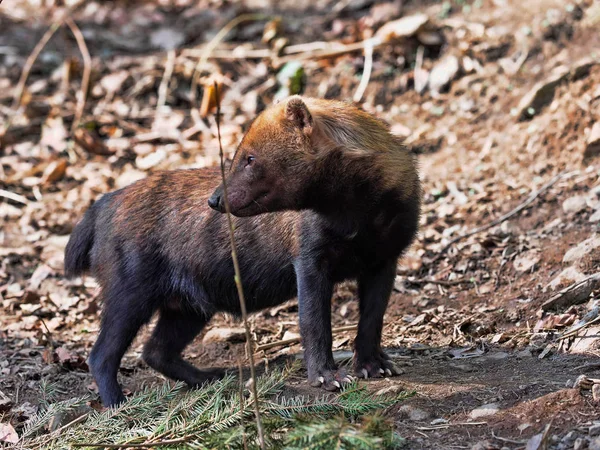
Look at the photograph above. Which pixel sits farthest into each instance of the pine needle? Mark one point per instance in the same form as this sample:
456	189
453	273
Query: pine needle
171	416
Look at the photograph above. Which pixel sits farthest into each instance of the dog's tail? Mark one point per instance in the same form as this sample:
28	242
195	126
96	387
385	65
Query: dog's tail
77	253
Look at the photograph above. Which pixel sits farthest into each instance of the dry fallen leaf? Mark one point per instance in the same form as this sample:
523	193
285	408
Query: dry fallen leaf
55	171
8	433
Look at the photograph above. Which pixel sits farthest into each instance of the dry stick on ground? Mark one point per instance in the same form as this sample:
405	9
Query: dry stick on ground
87	71
14	197
142	445
505	217
298	339
576	293
163	89
578	329
448	425
238	278
309	50
510	441
25	73
440	282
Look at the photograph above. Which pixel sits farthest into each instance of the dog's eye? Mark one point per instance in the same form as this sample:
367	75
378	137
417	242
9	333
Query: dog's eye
251	159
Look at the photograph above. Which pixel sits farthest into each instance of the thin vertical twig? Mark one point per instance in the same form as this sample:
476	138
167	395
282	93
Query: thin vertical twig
87	71
238	278
163	89
366	75
31	60
242	424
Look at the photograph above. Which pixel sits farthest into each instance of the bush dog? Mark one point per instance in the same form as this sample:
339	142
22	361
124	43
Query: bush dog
322	193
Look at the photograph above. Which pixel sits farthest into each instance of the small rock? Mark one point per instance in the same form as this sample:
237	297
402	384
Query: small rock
392	389
541	94
498	355
439	421
595	429
166	38
129	177
151	160
579	444
594	444
8	434
536	442
112	83
443	73
524	354
596	393
484	445
595	217
526	261
225	334
383	12
462	367
574	204
586	341
5	403
569	438
593	143
484	411
400	130
402	28
414	414
9	211
421	79
582	68
567	276
582	249
582	383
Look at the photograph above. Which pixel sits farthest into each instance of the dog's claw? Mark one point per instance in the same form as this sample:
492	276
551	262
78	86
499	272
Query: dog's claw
337	384
388	372
365	374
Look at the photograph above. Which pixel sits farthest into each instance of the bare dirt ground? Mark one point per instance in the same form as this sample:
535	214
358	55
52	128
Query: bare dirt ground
499	99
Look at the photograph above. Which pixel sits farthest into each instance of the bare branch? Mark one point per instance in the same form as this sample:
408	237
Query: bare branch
238	278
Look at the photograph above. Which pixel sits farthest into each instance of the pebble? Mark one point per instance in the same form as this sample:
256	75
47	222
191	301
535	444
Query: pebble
593	143
463	367
595	217
541	94
594	444
582	249
225	334
439	421
414	414
484	411
443	73
574	204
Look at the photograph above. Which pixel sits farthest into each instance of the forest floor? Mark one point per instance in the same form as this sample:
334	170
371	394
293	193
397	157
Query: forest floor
500	100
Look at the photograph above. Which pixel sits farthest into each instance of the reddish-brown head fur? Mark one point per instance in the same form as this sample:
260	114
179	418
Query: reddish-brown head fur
278	162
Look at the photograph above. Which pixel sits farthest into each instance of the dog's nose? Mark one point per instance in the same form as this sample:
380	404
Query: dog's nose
214	201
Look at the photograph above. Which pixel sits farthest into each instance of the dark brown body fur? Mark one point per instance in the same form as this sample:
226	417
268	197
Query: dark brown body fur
335	212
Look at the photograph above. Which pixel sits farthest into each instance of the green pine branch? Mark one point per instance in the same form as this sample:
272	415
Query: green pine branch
211	417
